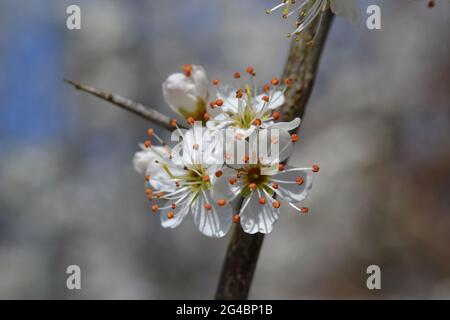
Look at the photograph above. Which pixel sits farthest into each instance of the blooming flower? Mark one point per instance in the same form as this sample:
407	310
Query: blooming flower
264	186
179	184
243	109
310	9
187	93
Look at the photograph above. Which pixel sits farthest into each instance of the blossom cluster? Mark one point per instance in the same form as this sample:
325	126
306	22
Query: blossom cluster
232	153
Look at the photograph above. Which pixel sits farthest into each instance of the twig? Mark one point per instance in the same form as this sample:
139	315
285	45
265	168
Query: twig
243	250
127	104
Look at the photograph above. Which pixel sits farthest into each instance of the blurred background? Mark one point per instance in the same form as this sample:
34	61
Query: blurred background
378	123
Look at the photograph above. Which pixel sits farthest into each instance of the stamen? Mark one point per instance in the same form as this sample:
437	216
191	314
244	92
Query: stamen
212	104
150	132
155	207
219	102
257	122
288	81
315	168
190	120
275	81
266	87
174	205
265	99
299	180
147	178
195	146
216	82
275	185
221	202
251	71
173	122
206	116
148	191
147	144
207	206
276	115
294	137
304	210
218	173
237	75
187	70
232	180
236	218
276	204
262	200
170	214
252	186
281	167
205	178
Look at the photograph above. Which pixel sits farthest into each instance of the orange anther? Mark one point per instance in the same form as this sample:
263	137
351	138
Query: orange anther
251	71
212	104
159	194
304	210
173	122
315	168
262	200
299	180
288	81
150	132
276	115
266	87
148	191
190	120
257	122
275	185
187	70
173	206
275	81
280	167
205	178
206	116
265	98
218	173
147	144
222	202
219	102
276	204
155	207
294	137
237	75
216	82
147	178
252	186
232	180
207	206
170	214
236	218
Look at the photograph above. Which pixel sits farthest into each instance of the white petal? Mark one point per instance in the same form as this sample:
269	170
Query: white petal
177	93
256	217
276	100
200	79
180	211
289	190
288	126
142	159
215	222
346	8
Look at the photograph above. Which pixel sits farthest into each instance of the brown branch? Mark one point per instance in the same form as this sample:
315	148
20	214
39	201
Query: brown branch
127	104
302	63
